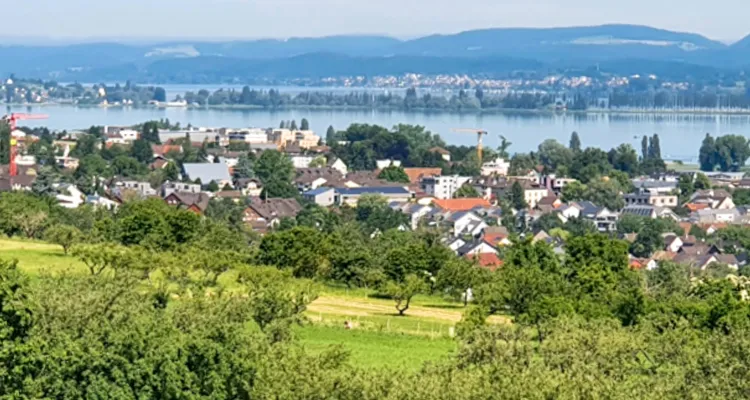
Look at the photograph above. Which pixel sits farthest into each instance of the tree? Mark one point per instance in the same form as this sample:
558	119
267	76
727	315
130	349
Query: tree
654	148
330	136
171	171
575	142
516	196
318	162
403	292
394	174
160	95
4	143
142	151
732	152
212	187
304	125
300	249
459	276
644	148
702	182
276	171
127	166
373	211
466	191
624	158
707	154
293	125
502	150
686	186
553	155
63	235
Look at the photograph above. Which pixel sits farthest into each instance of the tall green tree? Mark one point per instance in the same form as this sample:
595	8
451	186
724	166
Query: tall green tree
466	191
516	196
304	124
575	142
330	136
707	154
394	174
142	151
276	172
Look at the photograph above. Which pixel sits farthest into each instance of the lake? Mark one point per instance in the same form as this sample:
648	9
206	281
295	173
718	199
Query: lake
680	134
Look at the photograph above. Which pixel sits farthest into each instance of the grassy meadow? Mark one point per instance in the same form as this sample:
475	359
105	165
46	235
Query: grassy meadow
378	338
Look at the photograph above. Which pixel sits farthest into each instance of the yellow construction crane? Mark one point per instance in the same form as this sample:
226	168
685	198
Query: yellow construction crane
480	133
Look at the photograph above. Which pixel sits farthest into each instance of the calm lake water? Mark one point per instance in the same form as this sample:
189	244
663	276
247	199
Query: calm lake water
680	135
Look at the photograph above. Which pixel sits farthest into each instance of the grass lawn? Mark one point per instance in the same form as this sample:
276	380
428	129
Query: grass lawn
378	349
682	167
37	257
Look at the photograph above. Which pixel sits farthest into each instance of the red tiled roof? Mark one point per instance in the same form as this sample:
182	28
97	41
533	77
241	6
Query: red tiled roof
486	260
494	239
165	148
696	207
415	174
460	204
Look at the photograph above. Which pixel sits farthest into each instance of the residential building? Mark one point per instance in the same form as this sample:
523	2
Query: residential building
454	205
322	196
129	135
249	186
69	196
301	161
649	197
143	189
650	211
195	202
338	164
443	187
498	167
252	136
281	137
18	182
604	219
466	223
313	178
718	199
69	163
415	211
264	214
306	139
534	194
351	196
383	164
208	173
445	154
710	216
476	247
100	201
168	188
554	183
656	186
489	261
416	174
567	212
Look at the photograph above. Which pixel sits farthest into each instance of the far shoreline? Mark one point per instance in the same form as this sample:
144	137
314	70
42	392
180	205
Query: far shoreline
424	111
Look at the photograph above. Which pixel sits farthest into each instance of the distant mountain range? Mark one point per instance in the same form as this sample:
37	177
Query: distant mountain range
489	52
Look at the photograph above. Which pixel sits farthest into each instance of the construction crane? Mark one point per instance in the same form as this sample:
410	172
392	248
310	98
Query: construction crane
480	136
12	120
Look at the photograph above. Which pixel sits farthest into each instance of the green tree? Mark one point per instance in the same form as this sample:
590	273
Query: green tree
63	235
330	136
702	182
300	249
171	172
141	151
160	95
127	167
394	174
458	276
732	152
686	186
625	159
373	211
4	143
403	292
212	187
276	171
644	148
516	196
707	154
466	191
554	155
304	125
318	162
502	150
575	142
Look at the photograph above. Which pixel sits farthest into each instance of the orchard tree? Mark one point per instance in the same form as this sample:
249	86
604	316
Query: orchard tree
403	292
64	235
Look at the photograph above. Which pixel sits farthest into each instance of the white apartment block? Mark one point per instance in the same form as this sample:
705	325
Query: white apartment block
443	187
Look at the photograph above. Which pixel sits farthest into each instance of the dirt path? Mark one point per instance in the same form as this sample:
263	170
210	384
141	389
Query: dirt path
348	306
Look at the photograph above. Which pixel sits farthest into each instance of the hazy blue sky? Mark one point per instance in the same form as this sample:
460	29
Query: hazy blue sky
60	19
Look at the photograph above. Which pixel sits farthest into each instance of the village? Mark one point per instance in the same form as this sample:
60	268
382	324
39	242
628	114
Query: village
472	213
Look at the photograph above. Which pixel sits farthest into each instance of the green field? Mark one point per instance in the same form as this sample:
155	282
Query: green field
379	337
378	349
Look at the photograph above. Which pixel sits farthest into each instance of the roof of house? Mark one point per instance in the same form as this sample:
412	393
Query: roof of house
7	183
310	175
465	204
384	190
207	172
162	149
440	150
318	191
486	260
415	174
640	210
229	194
549	200
273	208
494	239
588	208
729	259
469	246
695	207
188	199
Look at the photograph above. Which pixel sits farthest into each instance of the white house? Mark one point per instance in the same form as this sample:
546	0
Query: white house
443	187
302	161
568	211
129	135
383	164
339	165
498	166
466	222
70	196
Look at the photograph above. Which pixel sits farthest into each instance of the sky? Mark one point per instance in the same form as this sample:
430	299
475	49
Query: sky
78	20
